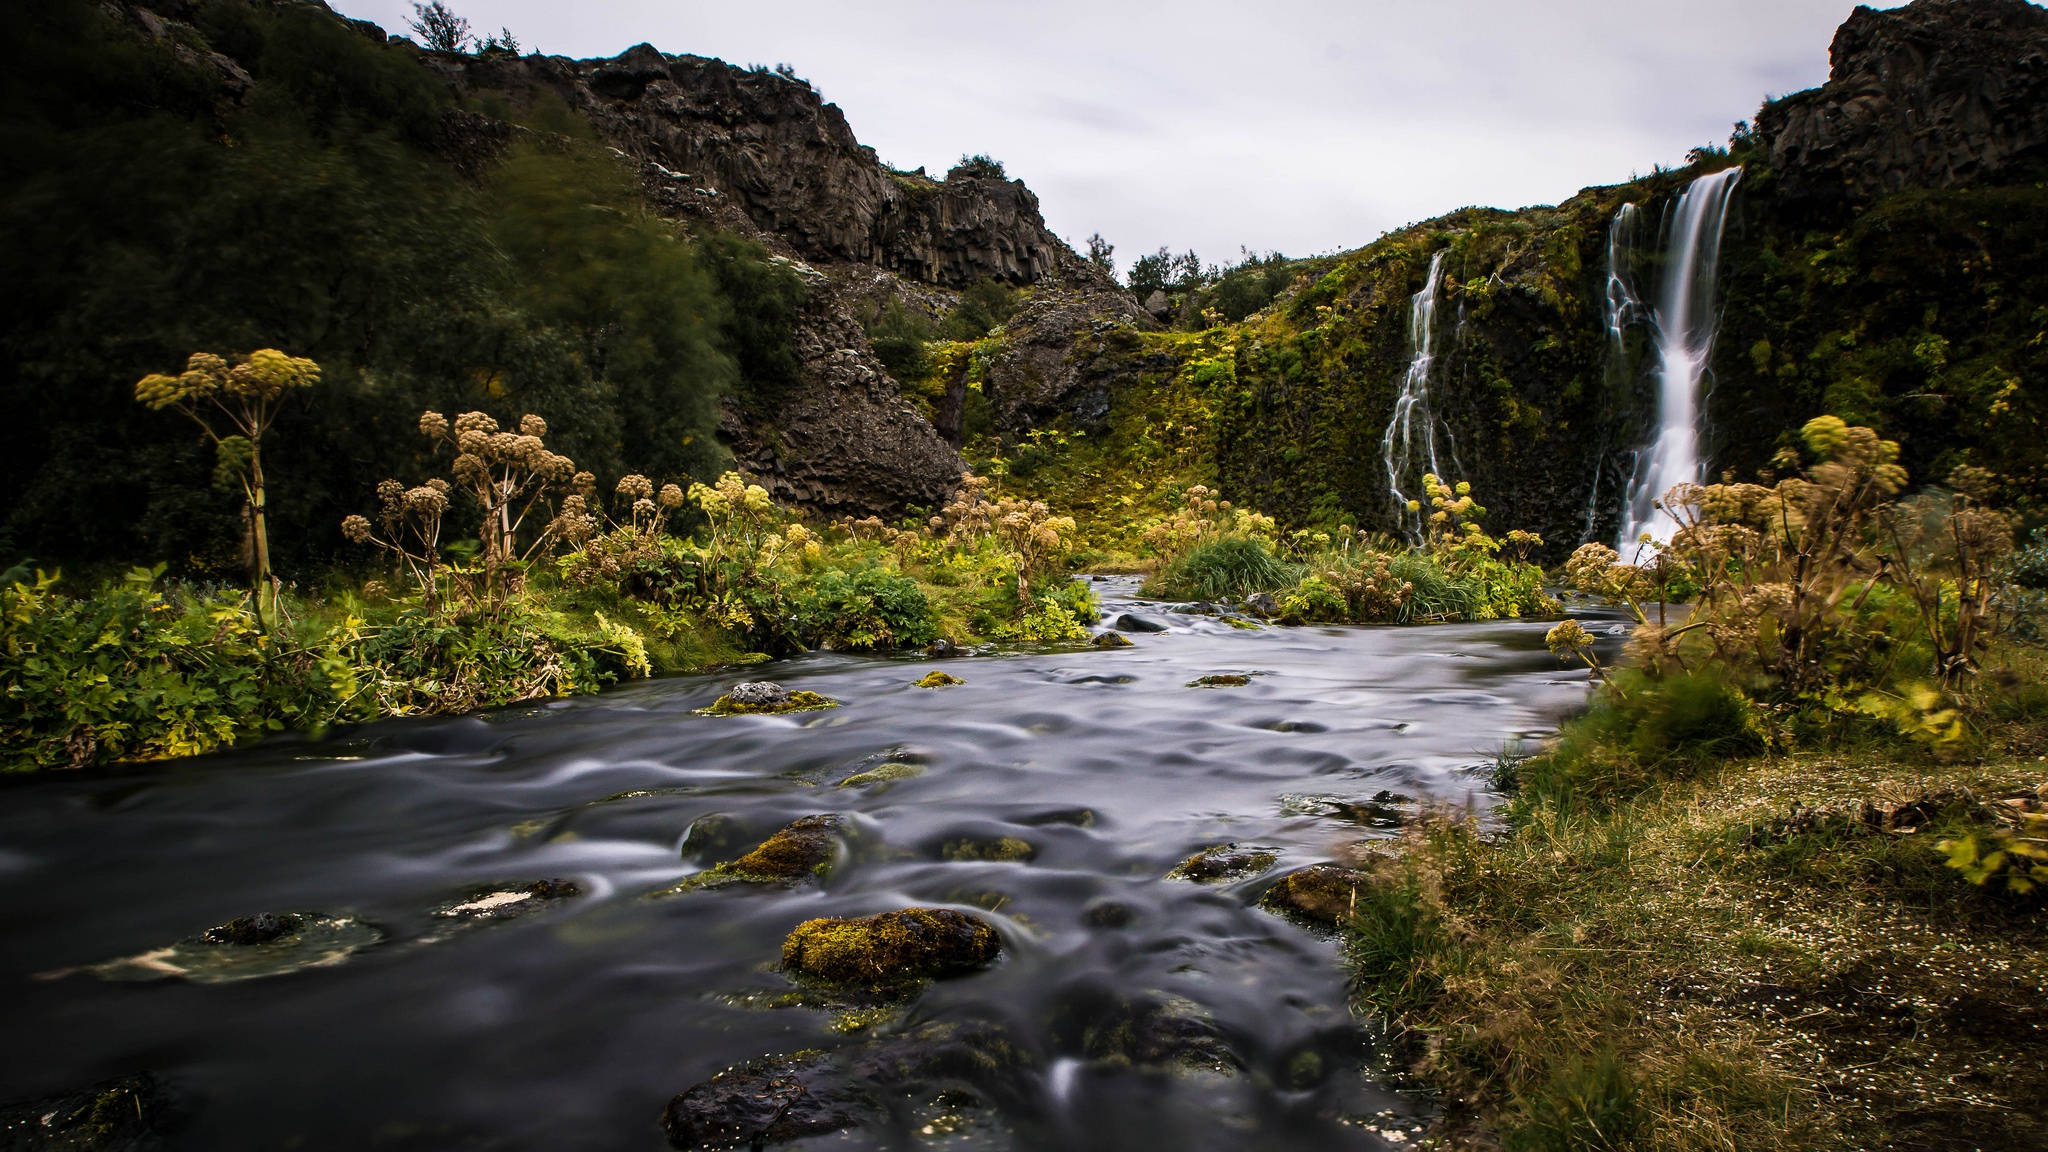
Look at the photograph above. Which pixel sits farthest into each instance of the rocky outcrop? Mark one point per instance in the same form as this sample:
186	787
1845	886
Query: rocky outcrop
1936	94
1045	368
768	145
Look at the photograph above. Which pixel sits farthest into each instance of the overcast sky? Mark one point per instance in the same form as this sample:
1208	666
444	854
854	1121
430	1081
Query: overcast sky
1302	126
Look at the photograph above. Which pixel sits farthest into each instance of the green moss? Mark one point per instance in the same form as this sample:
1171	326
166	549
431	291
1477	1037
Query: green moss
1228	680
1223	863
883	774
802	850
1112	640
891	948
1007	848
1323	893
939	680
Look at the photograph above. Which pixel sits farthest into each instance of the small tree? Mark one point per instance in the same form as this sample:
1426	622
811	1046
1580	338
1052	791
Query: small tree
439	29
509	473
247	396
978	167
1101	253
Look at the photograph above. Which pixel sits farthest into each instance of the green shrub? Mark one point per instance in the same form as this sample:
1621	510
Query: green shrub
1233	566
1641	730
866	609
1395	935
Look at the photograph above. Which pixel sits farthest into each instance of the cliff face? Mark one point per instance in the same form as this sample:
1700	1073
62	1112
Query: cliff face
1938	94
763	155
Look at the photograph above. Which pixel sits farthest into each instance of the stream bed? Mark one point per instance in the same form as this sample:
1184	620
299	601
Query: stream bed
445	999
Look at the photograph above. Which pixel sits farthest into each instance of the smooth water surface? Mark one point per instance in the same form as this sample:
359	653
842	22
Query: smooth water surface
572	1027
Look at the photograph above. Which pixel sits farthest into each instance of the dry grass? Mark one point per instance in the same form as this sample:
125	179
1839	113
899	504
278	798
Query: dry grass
1734	962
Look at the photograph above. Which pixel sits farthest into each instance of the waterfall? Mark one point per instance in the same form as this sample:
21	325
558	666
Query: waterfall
1622	309
1686	319
1410	442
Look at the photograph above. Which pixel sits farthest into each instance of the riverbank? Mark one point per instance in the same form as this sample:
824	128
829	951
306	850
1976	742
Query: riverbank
1776	954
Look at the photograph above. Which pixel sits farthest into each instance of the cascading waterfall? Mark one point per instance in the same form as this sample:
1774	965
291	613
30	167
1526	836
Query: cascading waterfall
1410	442
1686	322
1622	310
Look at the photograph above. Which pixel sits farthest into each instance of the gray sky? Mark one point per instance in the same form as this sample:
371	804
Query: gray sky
1304	126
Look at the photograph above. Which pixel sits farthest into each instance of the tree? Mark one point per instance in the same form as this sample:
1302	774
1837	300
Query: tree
248	396
977	167
439	29
1101	253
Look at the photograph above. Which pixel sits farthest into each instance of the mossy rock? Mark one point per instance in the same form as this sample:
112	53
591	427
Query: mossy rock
939	680
266	944
125	1115
882	774
1228	680
1323	893
1007	849
762	698
802	850
1112	640
890	948
1223	863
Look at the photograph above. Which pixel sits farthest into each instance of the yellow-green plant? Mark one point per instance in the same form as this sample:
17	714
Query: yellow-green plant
511	474
247	397
2016	856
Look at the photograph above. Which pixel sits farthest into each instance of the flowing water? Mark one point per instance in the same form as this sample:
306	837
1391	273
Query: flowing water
1621	309
1687	320
1410	445
570	1028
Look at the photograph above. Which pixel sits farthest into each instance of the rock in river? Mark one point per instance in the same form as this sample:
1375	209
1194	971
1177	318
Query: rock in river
763	697
1132	622
768	1101
890	948
1320	892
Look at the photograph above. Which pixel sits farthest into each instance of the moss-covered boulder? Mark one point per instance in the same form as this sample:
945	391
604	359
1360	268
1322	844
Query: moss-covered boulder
1112	639
1225	680
939	680
803	850
1223	863
1009	849
1323	893
890	948
131	1114
765	698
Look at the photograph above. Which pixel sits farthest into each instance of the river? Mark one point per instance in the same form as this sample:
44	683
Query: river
1142	1012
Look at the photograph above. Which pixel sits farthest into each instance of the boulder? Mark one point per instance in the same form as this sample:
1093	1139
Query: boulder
1222	863
1324	893
1132	622
769	1101
765	698
1111	639
890	948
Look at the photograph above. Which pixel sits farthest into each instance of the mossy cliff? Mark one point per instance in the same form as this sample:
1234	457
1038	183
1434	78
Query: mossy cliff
1884	259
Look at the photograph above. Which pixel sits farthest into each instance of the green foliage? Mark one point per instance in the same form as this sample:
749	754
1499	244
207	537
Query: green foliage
1642	730
977	167
1395	937
1229	567
898	337
865	609
143	214
985	305
1587	1105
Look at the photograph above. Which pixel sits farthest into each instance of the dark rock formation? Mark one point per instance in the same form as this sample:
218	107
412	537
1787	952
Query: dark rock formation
1934	95
768	1101
890	948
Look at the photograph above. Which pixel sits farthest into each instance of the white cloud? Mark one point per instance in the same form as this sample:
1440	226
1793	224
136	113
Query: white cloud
1297	125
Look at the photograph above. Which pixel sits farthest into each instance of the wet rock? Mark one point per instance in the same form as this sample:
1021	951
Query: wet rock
261	928
762	697
131	1114
802	850
943	1054
1262	604
1006	848
770	1101
512	901
1227	680
1111	640
1175	1035
1077	817
1109	914
939	680
1132	622
1222	863
1198	608
1383	810
943	649
881	774
890	948
266	944
1324	893
711	836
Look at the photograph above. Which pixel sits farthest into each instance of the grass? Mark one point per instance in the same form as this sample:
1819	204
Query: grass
1733	960
1227	568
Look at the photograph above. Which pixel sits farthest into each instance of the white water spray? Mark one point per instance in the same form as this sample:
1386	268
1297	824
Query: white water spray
1410	441
1686	322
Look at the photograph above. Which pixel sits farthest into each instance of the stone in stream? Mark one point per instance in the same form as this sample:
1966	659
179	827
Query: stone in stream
1262	604
1132	622
1111	640
1007	849
265	944
510	901
131	1114
1196	608
1225	680
765	698
882	774
1323	893
944	649
1223	862
773	1100
891	947
802	850
939	680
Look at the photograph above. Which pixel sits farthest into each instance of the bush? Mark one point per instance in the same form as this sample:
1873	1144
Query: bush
866	609
1232	566
1641	730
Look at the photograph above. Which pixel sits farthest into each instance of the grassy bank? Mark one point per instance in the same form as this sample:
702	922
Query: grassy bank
1776	954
